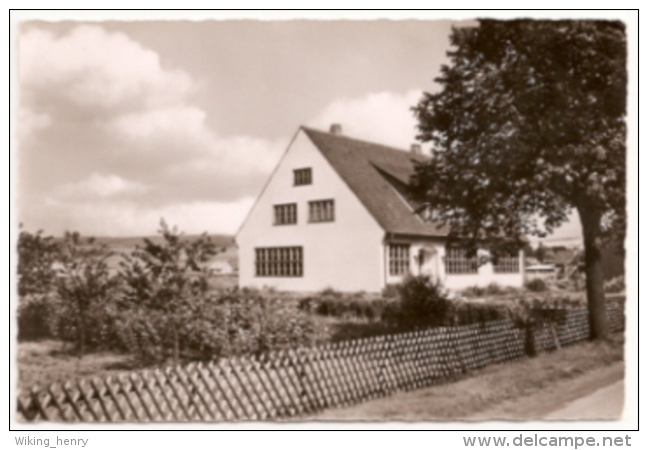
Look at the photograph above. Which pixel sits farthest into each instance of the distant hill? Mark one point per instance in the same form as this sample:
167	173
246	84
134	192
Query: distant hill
124	245
221	240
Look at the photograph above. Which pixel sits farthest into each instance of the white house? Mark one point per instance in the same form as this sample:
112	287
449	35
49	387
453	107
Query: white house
334	213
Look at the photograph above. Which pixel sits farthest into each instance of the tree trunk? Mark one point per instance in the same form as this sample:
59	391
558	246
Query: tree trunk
591	222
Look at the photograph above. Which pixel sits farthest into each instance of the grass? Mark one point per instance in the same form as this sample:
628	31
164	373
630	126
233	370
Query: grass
488	387
48	361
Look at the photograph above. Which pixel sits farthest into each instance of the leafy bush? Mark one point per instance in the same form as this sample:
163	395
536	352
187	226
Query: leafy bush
492	289
36	317
465	313
616	284
422	303
390	291
473	291
36	255
84	288
229	323
536	285
330	303
562	284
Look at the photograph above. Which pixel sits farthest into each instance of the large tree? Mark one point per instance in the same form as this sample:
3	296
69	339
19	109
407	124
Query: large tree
530	124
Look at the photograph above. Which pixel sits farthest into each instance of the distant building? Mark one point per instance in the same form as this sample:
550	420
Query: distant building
221	267
568	263
335	213
544	271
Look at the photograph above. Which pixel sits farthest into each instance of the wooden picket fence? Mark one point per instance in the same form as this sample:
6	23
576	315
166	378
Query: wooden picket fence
285	384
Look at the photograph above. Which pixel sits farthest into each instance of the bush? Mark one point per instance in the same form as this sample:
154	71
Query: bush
390	291
473	291
536	285
226	324
36	317
492	289
330	303
465	313
421	303
100	328
563	284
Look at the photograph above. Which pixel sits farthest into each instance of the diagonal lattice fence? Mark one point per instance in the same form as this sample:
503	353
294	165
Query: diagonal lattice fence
291	383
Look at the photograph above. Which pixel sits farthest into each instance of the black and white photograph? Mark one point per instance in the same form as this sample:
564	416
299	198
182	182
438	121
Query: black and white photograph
311	218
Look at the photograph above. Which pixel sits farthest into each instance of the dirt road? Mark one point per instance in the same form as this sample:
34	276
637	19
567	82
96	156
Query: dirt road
606	403
594	395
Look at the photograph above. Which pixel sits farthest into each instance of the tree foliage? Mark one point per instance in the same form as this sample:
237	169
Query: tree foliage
36	256
165	280
529	124
83	284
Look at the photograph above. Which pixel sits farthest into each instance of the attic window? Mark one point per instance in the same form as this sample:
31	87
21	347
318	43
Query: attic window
303	176
285	214
321	211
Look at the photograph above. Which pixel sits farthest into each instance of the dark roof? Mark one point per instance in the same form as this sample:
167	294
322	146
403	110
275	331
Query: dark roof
378	176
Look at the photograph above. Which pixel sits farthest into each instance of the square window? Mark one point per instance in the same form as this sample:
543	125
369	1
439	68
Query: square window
321	211
285	214
303	177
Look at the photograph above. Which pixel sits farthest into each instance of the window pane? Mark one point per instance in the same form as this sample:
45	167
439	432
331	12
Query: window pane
302	176
456	262
398	259
278	261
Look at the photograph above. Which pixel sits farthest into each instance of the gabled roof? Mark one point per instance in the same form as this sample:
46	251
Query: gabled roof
378	176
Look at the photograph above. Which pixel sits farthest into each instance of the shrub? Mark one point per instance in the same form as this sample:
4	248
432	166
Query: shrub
421	303
473	291
465	313
390	291
225	324
562	284
330	303
478	291
36	317
495	289
536	285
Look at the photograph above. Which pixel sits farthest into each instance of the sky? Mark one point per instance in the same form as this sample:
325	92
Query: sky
123	123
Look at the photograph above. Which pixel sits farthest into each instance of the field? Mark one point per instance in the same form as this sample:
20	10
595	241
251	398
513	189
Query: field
48	361
120	246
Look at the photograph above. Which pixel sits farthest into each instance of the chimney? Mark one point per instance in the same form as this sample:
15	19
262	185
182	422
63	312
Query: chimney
416	149
336	129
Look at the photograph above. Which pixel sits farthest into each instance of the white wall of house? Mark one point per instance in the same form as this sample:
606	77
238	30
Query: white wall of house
434	266
345	254
430	265
485	275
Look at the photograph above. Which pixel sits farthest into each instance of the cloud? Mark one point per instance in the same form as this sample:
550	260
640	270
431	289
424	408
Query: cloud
382	117
30	122
127	218
102	186
111	136
97	70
